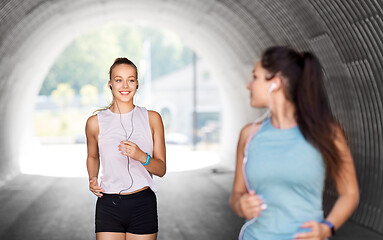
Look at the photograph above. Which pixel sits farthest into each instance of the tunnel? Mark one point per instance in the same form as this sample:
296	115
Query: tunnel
229	35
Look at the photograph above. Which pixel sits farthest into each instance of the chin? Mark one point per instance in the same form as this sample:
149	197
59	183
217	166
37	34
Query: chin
257	105
125	99
254	104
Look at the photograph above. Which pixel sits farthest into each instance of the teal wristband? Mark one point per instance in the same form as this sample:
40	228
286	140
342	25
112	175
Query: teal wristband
147	160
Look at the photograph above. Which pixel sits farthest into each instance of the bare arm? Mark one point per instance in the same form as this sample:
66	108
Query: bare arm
244	204
93	160
157	163
346	185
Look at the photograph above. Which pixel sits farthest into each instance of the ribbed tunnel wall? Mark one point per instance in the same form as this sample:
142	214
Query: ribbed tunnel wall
345	35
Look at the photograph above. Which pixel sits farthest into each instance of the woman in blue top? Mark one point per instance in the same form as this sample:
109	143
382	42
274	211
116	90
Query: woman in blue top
282	162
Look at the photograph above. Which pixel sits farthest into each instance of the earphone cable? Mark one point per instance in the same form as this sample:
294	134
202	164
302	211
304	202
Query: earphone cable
127	138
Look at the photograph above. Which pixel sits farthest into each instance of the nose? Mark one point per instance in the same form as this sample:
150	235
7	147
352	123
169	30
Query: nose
248	86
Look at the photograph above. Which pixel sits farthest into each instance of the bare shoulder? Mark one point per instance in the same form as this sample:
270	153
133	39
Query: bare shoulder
339	135
92	124
341	142
154	115
249	129
92	120
246	132
154	118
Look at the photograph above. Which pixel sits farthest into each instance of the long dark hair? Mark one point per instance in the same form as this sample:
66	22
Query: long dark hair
303	86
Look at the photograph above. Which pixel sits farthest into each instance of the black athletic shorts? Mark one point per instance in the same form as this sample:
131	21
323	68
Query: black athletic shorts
134	213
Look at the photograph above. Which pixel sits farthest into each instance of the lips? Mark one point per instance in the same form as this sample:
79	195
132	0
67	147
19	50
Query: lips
124	92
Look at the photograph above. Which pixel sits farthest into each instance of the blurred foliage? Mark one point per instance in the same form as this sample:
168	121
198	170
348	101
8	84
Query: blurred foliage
88	58
88	94
68	122
63	95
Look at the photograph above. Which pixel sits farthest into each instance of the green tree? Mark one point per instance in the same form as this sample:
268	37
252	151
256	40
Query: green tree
88	58
88	94
168	52
63	94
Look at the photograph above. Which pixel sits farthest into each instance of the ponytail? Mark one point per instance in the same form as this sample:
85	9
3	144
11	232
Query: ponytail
314	115
304	87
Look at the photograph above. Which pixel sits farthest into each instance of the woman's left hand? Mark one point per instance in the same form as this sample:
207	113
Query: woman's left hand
131	150
319	231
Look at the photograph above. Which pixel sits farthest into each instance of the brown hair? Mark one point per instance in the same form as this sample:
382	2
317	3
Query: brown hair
303	85
121	60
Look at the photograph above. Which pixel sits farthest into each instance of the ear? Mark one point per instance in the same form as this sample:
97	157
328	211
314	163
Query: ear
277	81
275	84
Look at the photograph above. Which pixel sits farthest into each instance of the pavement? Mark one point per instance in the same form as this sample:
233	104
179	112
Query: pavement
193	204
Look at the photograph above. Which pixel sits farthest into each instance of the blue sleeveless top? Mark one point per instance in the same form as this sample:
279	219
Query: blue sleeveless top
289	173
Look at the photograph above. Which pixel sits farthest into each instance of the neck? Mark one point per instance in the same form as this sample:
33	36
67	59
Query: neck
121	107
283	113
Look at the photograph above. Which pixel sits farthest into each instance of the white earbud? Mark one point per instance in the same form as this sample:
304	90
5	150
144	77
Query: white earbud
272	87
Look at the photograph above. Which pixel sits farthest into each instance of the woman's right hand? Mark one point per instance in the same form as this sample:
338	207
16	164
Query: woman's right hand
94	188
251	205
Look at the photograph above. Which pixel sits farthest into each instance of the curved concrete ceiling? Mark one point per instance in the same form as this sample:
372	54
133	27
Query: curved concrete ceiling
229	35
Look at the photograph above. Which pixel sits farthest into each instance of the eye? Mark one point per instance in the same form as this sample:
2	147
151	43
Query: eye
132	80
118	80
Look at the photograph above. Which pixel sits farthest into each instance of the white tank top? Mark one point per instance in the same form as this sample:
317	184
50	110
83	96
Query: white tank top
115	176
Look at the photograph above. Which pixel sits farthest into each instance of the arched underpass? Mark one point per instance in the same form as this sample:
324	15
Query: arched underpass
229	35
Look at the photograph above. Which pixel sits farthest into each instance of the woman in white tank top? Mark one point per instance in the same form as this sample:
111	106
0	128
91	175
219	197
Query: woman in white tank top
128	142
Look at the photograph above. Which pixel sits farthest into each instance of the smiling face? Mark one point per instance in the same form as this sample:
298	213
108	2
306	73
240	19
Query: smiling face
123	80
259	87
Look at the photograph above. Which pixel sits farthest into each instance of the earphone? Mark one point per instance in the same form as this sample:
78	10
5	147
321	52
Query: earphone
273	86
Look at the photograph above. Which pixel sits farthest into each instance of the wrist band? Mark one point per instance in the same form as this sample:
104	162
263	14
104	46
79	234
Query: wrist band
330	225
147	160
